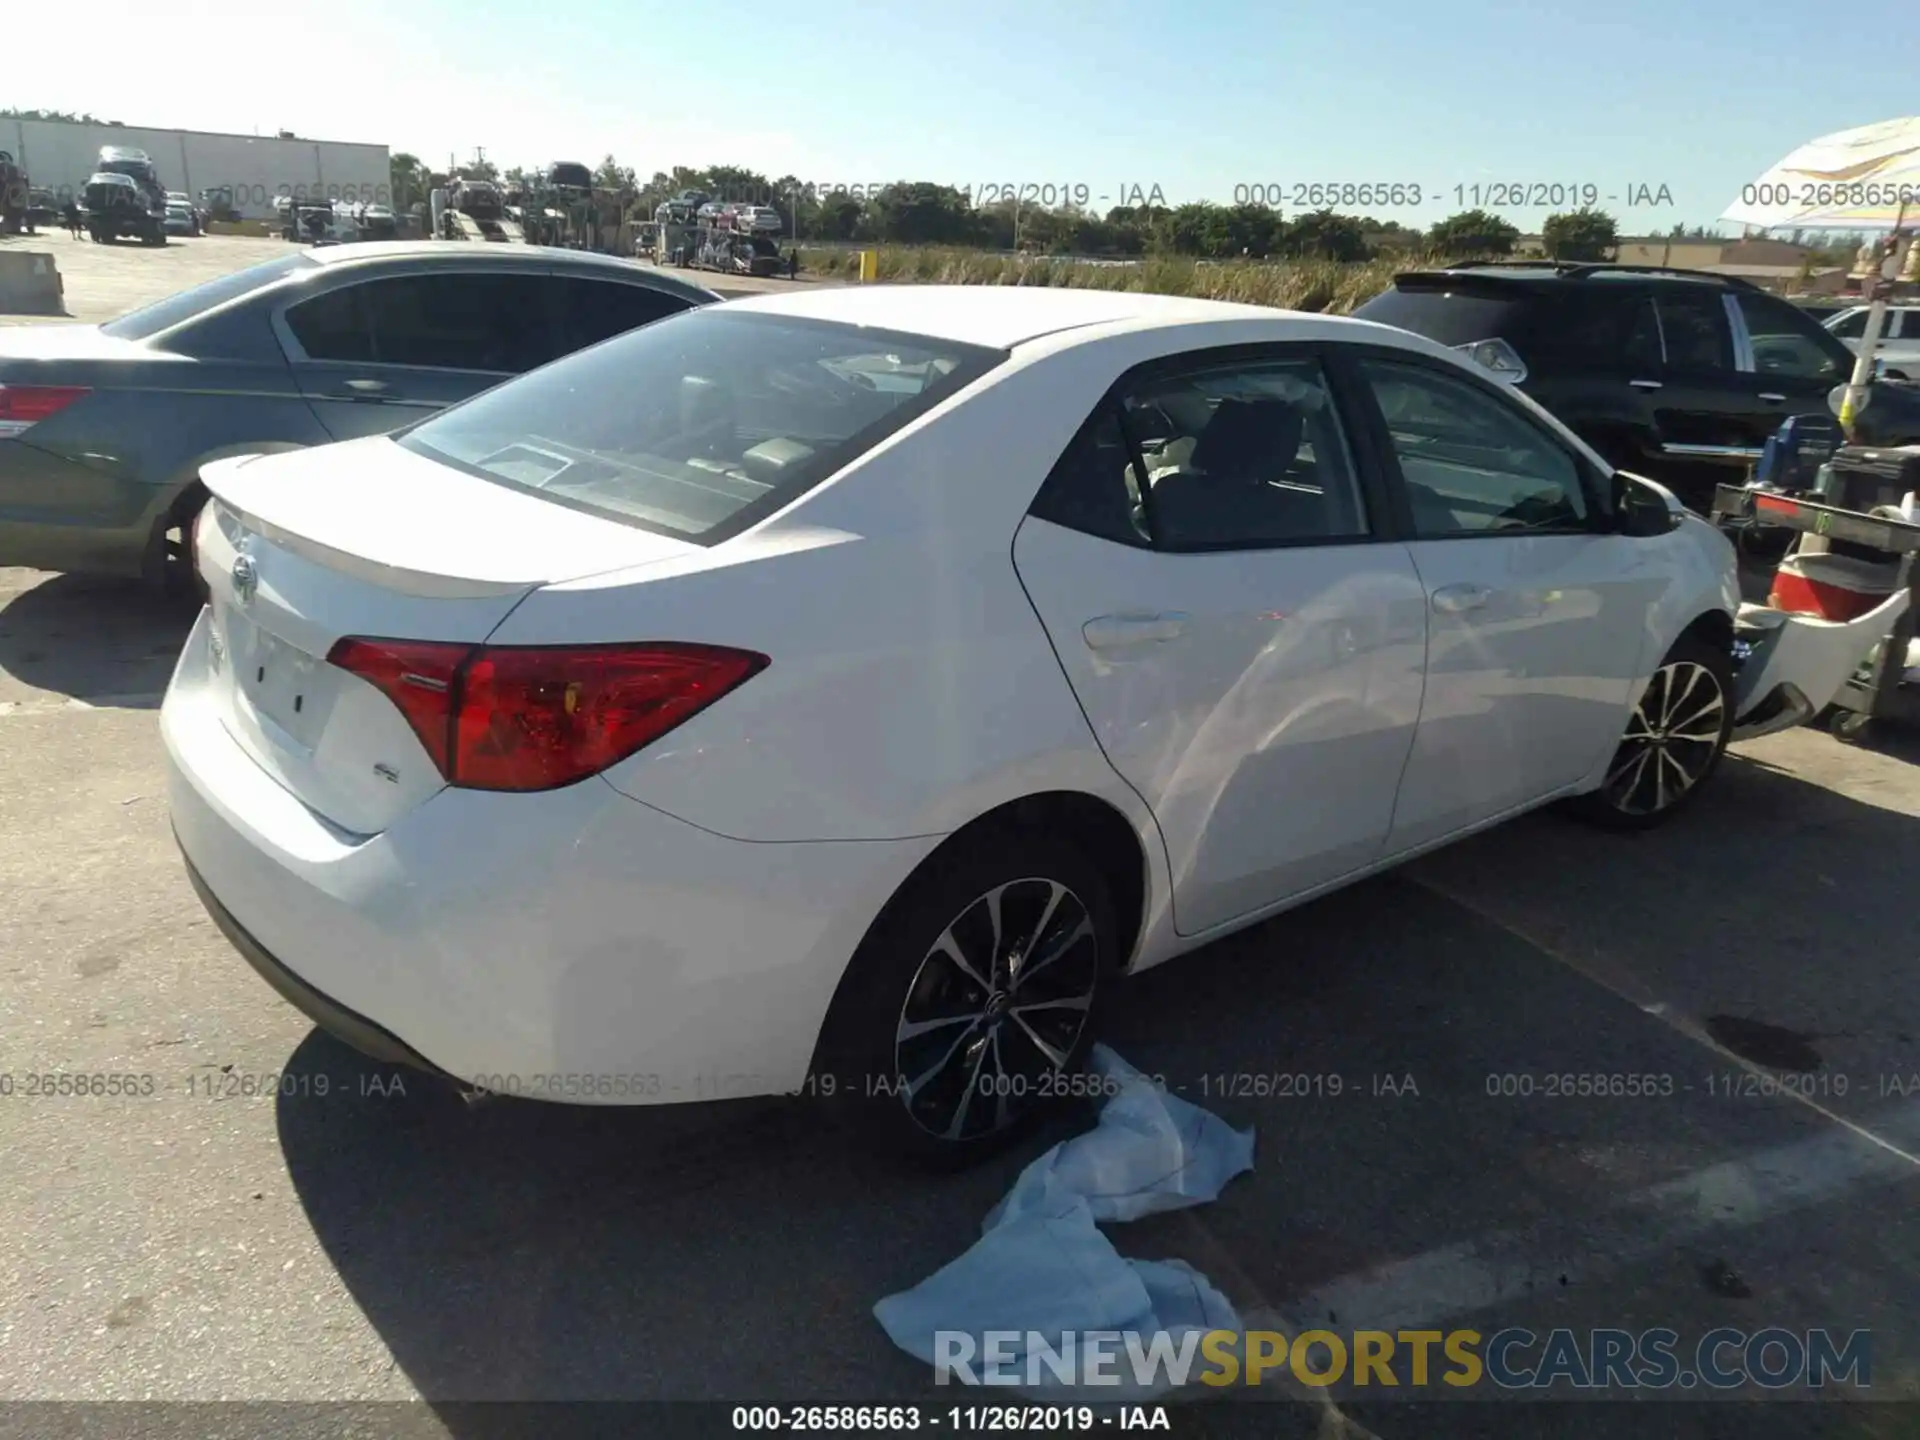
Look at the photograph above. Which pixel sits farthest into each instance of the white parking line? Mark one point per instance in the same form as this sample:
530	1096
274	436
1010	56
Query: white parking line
1428	1290
55	705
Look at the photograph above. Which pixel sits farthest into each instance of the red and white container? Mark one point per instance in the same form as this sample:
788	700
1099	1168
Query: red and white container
1834	587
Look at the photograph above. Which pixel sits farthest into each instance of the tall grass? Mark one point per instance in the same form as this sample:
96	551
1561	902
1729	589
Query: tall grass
1312	285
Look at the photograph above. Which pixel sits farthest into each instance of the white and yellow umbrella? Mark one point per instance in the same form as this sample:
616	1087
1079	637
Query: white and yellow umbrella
1862	179
1853	180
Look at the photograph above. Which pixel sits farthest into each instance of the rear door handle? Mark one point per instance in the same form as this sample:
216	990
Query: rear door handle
1109	632
363	390
1452	599
1644	384
1772	399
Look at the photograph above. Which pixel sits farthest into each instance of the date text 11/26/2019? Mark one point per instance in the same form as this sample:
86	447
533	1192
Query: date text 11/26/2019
1048	193
1479	195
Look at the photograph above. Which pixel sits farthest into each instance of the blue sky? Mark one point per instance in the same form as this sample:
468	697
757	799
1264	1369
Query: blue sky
1199	97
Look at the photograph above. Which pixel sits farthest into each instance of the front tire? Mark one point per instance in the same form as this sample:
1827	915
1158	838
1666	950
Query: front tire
1675	737
975	996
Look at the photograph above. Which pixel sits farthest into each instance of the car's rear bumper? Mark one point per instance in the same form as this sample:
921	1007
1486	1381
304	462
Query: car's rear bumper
338	1021
571	945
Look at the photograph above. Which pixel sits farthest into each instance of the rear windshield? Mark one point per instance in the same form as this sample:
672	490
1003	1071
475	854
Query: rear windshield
1452	317
699	425
165	314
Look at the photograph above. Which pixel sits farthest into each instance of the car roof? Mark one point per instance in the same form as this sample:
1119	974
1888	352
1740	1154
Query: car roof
452	253
1000	316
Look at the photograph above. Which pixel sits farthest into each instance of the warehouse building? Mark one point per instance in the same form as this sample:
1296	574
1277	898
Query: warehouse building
59	156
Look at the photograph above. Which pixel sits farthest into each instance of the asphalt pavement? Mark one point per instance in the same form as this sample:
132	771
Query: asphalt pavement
269	1218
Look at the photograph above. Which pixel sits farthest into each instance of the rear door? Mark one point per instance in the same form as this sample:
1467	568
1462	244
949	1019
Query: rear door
1245	640
372	355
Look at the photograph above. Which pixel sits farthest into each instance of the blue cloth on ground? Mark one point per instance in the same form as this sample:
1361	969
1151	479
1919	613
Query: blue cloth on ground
1043	1268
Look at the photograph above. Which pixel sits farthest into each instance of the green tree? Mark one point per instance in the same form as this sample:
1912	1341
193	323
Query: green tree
1323	235
840	216
408	178
922	213
1473	232
1586	234
612	175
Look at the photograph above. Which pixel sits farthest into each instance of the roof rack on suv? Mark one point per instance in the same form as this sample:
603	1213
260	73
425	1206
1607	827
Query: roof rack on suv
1578	269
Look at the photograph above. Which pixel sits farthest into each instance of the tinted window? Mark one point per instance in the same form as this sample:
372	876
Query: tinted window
1095	487
700	425
1786	343
1642	349
337	325
1453	317
500	323
1694	325
164	314
1247	456
596	310
1472	462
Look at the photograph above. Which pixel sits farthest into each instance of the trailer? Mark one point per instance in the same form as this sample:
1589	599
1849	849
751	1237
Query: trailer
727	242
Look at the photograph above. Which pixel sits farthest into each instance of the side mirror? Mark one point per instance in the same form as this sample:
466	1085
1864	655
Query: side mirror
1645	507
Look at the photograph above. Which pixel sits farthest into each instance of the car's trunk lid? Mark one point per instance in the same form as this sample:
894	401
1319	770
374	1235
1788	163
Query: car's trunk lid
368	539
58	342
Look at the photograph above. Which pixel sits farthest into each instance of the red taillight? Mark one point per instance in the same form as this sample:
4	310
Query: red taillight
24	406
418	676
536	718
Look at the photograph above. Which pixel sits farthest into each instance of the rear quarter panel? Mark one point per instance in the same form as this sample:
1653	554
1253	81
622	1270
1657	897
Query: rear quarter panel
120	458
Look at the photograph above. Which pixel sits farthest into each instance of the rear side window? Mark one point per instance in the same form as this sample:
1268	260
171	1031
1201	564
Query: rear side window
704	423
498	323
1095	488
596	310
1453	317
1694	326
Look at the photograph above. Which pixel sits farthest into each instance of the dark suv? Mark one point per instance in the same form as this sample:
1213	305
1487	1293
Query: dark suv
1680	375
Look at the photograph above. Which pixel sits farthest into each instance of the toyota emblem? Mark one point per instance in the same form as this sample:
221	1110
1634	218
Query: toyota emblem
246	578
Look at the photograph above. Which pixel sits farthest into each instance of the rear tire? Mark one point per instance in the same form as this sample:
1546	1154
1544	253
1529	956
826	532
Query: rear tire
180	574
977	992
1675	737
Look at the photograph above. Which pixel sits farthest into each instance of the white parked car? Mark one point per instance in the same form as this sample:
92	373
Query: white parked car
1899	340
841	692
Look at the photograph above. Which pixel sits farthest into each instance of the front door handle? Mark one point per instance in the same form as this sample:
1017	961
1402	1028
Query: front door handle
1108	632
363	390
1644	384
1772	399
1453	599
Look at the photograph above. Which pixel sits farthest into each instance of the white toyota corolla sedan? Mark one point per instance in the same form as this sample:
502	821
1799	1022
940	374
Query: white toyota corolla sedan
839	692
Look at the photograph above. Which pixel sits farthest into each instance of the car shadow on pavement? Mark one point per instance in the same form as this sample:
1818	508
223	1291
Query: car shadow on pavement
105	642
528	1252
